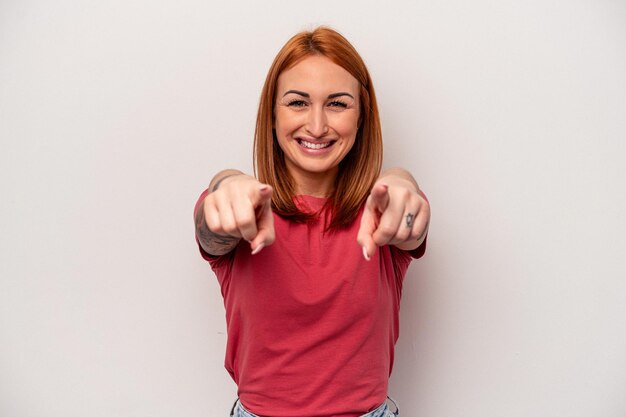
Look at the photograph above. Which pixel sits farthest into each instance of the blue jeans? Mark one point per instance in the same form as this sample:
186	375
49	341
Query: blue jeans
382	411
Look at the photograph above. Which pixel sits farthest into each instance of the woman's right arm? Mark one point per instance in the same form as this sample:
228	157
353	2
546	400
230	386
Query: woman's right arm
237	206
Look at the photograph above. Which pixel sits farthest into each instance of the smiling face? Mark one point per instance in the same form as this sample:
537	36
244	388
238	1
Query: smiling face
316	120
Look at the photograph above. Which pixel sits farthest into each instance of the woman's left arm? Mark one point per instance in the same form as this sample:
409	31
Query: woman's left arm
396	213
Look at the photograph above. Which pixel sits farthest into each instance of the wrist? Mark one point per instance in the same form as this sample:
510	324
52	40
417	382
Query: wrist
219	182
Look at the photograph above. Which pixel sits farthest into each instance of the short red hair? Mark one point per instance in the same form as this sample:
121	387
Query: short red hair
360	167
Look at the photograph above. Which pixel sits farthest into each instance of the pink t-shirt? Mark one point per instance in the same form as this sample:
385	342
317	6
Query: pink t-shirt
311	324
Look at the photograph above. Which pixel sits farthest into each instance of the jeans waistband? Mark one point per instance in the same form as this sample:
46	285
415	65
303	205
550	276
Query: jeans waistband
378	412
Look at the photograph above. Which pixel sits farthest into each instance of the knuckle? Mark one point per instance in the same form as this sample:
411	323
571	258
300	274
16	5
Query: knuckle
246	220
230	228
212	224
209	205
416	235
387	230
403	234
380	240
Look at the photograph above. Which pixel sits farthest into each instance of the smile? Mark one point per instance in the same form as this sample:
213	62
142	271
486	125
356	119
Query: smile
311	145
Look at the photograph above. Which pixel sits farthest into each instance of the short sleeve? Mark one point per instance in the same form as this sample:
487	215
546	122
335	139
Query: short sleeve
402	258
420	250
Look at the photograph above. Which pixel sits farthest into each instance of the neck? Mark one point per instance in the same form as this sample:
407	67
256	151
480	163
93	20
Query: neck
314	184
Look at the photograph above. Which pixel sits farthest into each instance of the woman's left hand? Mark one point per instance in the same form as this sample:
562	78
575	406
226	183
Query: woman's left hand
395	214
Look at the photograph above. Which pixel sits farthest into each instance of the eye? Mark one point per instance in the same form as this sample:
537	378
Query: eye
296	103
338	104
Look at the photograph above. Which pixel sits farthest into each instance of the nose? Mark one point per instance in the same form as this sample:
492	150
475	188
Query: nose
317	122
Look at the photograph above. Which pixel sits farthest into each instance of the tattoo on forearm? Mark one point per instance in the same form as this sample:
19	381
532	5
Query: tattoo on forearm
213	243
217	244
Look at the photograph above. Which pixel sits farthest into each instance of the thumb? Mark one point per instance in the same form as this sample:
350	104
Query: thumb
366	230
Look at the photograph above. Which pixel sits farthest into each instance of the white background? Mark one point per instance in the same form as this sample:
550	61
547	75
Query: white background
114	115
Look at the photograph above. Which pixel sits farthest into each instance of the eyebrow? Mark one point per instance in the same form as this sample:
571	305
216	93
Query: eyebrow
333	95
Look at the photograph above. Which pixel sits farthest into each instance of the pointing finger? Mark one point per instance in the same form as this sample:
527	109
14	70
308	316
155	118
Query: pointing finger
390	226
265	222
379	197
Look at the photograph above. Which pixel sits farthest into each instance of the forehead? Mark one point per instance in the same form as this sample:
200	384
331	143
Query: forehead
317	74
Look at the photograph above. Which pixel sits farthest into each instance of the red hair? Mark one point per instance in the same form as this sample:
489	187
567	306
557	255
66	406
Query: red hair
360	167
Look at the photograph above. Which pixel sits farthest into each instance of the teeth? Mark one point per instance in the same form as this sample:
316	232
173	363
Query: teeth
314	145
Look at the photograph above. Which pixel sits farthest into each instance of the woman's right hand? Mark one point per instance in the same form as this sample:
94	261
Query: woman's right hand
239	206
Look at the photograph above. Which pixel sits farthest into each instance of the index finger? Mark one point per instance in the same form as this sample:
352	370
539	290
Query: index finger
379	198
247	211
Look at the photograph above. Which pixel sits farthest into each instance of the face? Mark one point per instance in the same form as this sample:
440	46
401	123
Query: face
316	120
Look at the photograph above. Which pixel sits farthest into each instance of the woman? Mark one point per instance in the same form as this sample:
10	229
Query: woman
311	253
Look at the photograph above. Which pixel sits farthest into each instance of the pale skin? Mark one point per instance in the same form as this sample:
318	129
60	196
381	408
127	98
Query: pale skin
240	209
316	121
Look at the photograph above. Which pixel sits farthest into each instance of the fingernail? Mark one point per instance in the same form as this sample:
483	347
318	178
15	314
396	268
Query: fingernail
258	248
264	187
367	258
